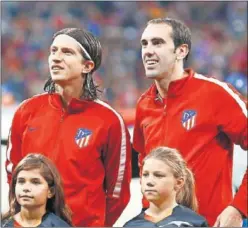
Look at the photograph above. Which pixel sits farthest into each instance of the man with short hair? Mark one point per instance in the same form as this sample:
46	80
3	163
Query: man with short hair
86	138
200	116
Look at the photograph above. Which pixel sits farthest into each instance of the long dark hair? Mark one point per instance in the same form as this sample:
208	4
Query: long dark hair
49	172
90	90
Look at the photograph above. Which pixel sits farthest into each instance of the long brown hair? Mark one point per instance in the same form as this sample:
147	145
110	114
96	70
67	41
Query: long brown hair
93	46
186	195
49	172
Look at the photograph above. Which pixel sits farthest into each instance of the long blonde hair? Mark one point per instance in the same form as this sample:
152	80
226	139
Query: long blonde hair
186	195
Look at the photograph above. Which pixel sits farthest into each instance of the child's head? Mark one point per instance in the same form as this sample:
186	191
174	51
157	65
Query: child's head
35	182
165	176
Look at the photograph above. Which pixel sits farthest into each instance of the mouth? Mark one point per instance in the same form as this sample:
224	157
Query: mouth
150	191
151	62
56	68
26	196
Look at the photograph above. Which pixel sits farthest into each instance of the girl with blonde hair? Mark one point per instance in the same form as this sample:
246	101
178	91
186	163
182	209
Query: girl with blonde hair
168	184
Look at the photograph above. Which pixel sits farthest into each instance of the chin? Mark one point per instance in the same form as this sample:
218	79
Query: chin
57	77
152	74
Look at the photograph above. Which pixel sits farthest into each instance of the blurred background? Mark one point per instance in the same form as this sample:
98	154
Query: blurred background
219	49
219	43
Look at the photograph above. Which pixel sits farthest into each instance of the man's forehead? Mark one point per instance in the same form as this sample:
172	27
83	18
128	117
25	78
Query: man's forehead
153	31
65	41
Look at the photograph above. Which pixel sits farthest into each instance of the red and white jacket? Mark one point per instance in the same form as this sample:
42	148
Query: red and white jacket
90	145
202	118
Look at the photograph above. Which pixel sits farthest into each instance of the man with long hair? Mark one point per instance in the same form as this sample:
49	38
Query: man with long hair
86	138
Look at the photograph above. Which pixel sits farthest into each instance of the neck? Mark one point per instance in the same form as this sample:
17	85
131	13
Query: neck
30	217
159	209
162	83
69	91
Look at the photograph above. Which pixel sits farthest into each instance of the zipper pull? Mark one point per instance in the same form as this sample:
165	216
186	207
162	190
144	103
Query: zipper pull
62	116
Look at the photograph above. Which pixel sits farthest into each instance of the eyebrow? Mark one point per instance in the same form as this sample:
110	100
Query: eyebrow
153	39
33	178
63	48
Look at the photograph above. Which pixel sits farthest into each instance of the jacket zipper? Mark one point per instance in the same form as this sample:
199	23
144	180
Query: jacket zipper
165	108
62	117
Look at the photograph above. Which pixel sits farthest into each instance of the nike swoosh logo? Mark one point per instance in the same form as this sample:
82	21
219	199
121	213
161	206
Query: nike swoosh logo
146	125
32	128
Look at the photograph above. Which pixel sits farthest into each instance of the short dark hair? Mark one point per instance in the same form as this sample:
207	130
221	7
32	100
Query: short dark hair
180	32
93	47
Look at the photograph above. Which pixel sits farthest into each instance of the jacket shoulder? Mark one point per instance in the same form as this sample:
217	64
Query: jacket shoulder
33	101
192	216
148	93
108	111
138	221
9	222
52	220
213	84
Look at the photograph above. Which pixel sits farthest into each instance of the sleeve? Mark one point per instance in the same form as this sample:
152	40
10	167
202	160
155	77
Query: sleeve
138	137
117	162
232	119
205	223
139	145
14	154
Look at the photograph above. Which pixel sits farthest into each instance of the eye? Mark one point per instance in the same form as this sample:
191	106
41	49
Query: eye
157	42
143	43
159	175
52	50
67	52
20	181
36	182
145	174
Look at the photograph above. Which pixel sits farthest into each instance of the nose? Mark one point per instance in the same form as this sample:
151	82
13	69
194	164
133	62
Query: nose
26	188
56	57
150	182
148	51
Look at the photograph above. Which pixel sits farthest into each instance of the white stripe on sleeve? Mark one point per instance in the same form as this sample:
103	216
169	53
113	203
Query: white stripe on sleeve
117	189
227	89
10	165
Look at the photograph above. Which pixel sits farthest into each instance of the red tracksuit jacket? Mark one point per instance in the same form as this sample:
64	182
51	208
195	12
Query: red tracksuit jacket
202	118
90	146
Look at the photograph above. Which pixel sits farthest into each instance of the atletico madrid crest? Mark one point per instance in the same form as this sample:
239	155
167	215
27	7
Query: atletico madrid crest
82	137
189	119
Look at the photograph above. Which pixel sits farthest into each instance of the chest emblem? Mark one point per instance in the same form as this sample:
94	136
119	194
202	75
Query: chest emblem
189	119
82	137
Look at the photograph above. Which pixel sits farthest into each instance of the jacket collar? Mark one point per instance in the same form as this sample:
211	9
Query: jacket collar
176	87
74	106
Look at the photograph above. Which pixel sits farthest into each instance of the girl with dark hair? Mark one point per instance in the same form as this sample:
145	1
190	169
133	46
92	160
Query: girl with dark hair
36	196
87	139
168	185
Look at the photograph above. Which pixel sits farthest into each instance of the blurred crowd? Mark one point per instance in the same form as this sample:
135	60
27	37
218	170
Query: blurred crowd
219	43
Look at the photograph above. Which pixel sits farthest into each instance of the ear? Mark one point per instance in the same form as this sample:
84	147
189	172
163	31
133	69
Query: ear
179	183
50	193
88	66
182	51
